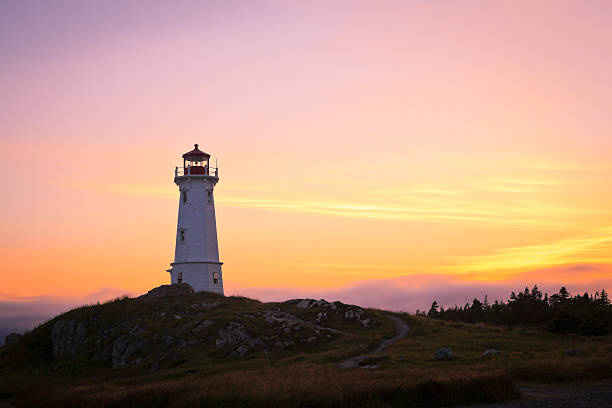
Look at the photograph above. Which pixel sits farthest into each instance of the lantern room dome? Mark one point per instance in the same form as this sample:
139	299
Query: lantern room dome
196	155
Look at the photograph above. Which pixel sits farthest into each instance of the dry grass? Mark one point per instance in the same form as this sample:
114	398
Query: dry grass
301	386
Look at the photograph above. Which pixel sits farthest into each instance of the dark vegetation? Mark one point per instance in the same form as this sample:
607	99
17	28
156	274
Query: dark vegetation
192	371
560	313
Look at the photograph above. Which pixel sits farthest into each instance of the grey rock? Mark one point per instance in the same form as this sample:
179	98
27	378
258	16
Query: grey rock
320	302
285	344
573	352
490	352
369	322
353	314
235	340
177	317
305	303
209	305
67	336
12	338
138	361
444	353
124	348
202	326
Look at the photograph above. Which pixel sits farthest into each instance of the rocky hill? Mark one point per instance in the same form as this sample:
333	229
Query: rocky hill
172	325
175	348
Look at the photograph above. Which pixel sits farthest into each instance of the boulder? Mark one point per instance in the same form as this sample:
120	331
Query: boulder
369	322
235	340
444	353
320	302
67	336
308	303
353	314
12	338
305	303
124	348
490	353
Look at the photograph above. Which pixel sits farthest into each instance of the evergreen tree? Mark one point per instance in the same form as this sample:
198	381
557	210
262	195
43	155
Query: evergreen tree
433	310
583	314
603	298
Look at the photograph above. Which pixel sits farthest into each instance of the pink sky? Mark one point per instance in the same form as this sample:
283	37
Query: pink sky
464	144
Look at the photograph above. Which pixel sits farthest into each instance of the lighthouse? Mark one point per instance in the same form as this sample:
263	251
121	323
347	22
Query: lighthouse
196	257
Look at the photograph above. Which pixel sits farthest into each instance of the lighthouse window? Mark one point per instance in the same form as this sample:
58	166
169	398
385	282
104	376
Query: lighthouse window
182	235
215	278
184	196
209	196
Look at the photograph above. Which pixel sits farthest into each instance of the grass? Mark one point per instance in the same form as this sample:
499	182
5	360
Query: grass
307	376
304	386
517	346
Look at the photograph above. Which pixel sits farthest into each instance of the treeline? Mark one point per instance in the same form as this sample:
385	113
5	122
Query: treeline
562	313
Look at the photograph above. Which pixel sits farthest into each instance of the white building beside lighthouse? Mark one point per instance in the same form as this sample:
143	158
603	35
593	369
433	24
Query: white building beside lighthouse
196	258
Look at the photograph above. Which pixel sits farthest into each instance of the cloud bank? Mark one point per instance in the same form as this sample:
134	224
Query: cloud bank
405	293
412	292
19	313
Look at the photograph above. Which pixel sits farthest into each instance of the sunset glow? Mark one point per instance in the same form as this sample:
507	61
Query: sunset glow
463	143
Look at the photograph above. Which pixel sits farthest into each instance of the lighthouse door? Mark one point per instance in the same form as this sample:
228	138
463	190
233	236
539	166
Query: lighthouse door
179	277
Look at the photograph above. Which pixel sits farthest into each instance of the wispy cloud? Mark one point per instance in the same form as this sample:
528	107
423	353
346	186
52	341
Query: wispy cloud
417	291
595	247
512	202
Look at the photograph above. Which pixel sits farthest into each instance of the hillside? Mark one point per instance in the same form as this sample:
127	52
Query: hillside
173	347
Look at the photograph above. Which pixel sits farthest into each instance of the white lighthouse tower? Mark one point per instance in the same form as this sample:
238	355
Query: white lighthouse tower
196	258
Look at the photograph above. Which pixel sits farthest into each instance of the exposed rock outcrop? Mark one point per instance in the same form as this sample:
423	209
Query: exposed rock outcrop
124	348
235	340
67	336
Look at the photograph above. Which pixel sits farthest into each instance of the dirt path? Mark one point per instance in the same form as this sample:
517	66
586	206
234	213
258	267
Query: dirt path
569	396
401	329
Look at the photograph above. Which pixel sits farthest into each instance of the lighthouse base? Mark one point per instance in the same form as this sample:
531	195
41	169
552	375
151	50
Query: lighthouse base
201	276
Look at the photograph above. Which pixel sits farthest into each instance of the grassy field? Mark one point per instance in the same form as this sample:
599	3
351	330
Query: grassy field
306	375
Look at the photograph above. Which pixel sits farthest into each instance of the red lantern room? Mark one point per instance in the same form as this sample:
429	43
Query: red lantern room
196	162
